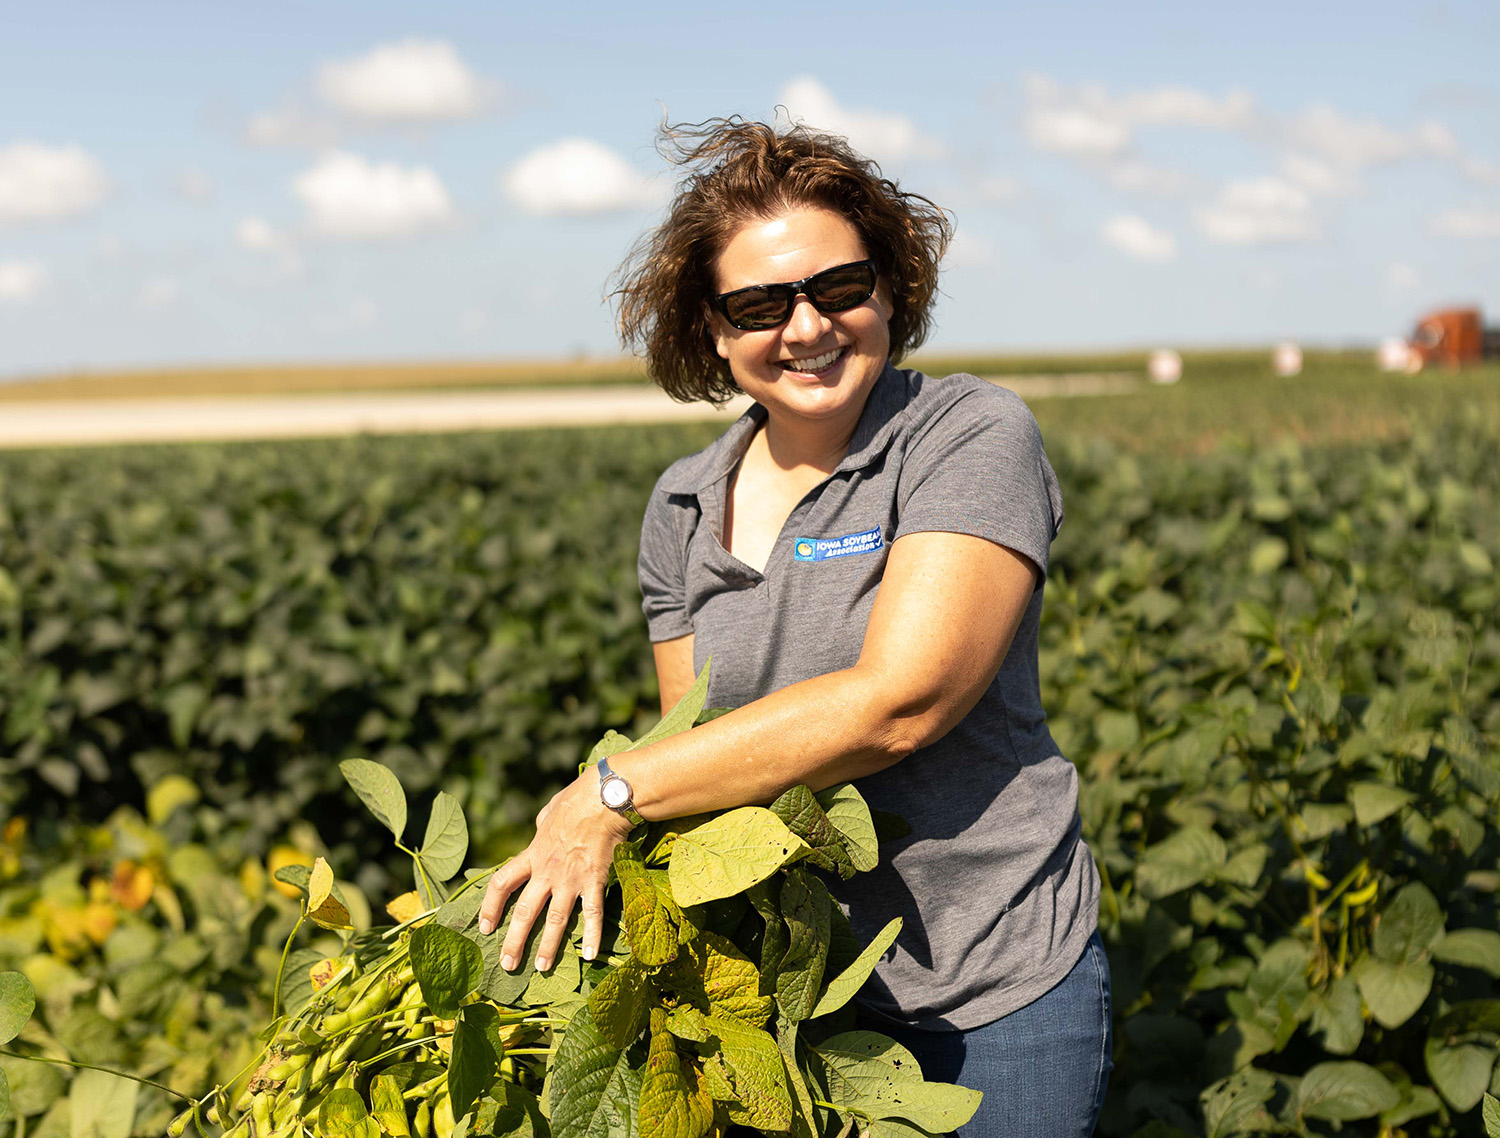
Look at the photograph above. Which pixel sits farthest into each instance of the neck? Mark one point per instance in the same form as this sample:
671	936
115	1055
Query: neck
795	443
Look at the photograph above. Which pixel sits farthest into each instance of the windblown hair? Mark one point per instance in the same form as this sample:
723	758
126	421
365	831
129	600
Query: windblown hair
738	172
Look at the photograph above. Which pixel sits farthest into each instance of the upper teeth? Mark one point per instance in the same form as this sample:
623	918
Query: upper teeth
815	363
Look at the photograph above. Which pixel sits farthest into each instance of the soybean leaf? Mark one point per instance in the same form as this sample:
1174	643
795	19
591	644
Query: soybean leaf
850	814
718	979
342	1114
1376	801
1415	1102
612	744
651	918
1344	1091
4	1095
1339	1016
101	1105
323	908
1461	1074
1491	1116
476	1055
1393	991
17	1002
446	842
674	1101
879	1077
508	987
594	1087
683	712
802	814
380	790
804	905
1236	1104
1188	857
1410	924
729	854
843	987
1470	948
756	1074
621	1002
387	1108
687	1022
766	897
448	967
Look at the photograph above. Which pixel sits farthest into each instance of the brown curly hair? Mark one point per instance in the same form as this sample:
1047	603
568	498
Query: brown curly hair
739	171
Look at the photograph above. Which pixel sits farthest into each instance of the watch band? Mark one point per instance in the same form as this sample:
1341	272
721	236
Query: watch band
627	809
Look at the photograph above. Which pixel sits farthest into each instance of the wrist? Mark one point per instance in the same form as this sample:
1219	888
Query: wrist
615	795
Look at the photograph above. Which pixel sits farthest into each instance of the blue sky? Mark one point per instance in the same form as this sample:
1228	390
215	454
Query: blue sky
190	182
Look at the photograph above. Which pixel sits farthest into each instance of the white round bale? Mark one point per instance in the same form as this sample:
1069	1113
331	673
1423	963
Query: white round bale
1164	366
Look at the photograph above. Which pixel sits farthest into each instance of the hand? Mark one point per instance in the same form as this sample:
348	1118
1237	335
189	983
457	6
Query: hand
569	859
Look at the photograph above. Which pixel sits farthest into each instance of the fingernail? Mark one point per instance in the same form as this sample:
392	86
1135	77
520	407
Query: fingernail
508	963
589	953
542	964
486	927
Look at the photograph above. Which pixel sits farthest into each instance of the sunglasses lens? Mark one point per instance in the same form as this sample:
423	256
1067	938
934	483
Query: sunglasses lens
841	288
753	308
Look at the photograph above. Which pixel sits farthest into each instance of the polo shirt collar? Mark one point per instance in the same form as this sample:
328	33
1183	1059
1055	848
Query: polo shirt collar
877	423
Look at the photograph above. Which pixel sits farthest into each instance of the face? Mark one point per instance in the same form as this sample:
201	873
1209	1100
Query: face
817	366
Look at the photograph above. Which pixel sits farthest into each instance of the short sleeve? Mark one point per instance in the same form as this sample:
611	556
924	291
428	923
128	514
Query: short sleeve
662	570
978	468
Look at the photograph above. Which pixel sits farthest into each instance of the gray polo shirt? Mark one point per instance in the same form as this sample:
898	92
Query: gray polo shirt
998	891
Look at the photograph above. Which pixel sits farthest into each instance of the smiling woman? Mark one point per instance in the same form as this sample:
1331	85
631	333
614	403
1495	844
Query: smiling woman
863	555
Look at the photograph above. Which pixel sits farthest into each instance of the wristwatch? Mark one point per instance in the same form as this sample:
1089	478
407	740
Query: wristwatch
616	794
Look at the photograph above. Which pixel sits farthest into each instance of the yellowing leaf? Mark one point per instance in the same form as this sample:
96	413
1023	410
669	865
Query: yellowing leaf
730	854
131	885
675	1102
167	795
319	884
406	907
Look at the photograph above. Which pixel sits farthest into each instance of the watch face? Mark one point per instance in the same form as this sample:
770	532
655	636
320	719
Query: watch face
615	793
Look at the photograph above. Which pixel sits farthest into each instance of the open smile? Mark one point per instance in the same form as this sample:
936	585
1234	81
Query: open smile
814	365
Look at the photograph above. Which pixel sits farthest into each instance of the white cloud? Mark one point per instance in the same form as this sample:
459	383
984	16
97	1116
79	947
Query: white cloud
290	126
412	81
1139	238
21	281
48	183
999	189
1354	143
349	197
193	184
578	176
1476	223
1318	177
159	293
1261	211
882	136
1088	121
1138	177
1478	170
255	233
1076	130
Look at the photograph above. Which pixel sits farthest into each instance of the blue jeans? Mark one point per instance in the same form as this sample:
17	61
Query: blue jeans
1043	1068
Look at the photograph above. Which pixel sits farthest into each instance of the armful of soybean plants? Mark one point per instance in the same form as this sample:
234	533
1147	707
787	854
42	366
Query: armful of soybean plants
723	943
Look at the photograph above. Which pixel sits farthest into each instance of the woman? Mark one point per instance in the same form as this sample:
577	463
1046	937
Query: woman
862	554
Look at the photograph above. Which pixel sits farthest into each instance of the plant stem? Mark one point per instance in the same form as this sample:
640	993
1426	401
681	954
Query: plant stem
95	1067
281	970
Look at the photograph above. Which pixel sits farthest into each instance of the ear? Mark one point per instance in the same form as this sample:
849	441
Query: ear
718	330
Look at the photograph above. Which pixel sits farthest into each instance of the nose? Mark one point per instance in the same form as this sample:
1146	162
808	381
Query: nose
806	325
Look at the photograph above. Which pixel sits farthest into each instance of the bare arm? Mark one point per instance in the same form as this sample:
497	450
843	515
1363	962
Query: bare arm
942	623
674	669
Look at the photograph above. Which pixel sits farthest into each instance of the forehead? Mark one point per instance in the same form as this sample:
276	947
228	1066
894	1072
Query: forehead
787	247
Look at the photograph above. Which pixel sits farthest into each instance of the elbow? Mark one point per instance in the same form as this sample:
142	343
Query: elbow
904	722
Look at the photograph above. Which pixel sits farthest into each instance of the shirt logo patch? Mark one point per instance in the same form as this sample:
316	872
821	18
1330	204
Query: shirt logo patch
827	548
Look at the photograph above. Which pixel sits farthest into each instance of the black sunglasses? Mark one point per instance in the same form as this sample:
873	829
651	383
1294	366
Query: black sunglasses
764	306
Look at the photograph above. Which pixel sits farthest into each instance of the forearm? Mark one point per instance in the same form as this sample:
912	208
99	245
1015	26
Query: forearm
819	732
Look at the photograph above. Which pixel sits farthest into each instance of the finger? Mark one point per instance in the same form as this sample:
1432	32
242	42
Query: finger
505	881
528	908
558	913
593	919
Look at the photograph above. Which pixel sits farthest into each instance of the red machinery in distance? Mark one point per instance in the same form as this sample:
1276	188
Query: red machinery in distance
1453	338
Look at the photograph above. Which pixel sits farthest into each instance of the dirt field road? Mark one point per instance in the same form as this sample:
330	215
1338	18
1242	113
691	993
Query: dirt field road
98	422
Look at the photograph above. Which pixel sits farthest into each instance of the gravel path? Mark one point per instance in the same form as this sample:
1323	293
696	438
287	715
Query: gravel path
97	422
